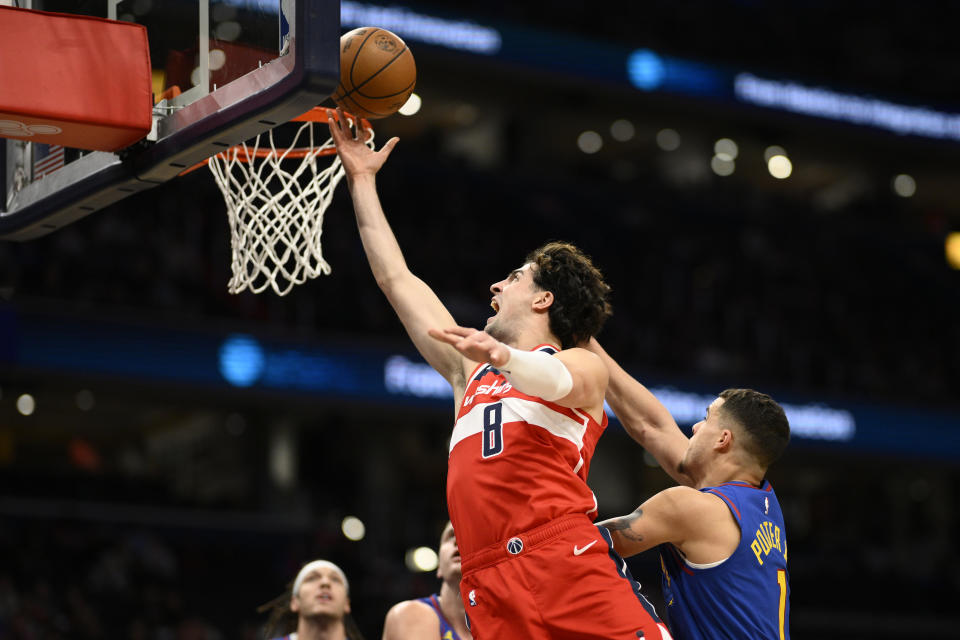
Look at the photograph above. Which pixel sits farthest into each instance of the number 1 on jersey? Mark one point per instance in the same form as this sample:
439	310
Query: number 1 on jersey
492	430
782	582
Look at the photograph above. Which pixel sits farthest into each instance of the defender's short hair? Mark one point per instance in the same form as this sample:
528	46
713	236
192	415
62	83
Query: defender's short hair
762	419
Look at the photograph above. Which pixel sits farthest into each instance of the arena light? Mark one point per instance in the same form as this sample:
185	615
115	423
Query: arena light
410	25
589	142
26	405
622	130
722	164
952	249
241	360
780	167
812	420
353	528
904	185
773	150
228	30
668	139
421	560
834	105
646	69
411	106
218	58
726	147
402	376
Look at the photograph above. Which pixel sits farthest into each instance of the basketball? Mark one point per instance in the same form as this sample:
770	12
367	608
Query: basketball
377	73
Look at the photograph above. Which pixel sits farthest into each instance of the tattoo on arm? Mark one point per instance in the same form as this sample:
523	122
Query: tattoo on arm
623	525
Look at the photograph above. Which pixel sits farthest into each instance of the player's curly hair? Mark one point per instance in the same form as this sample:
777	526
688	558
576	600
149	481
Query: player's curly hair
764	421
580	296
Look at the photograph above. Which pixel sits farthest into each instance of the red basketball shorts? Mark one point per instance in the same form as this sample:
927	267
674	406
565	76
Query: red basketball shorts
561	580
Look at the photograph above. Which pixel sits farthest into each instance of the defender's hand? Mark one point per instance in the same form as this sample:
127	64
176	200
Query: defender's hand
479	346
356	156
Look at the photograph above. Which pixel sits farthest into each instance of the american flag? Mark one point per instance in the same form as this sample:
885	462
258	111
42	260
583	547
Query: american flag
46	159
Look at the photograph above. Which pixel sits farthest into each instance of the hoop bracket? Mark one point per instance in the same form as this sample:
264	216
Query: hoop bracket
244	153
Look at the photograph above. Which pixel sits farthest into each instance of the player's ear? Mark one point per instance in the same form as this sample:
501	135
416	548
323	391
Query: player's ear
542	300
725	441
294	604
346	607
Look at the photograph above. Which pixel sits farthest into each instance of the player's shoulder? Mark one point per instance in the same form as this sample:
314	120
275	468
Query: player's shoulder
682	494
406	616
687	501
581	356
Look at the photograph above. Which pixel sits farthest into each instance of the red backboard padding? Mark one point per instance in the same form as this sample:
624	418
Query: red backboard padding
76	81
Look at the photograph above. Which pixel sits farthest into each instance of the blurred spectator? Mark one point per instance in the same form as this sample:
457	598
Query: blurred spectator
317	607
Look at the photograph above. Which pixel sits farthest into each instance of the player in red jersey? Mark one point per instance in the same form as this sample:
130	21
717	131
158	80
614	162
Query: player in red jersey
529	412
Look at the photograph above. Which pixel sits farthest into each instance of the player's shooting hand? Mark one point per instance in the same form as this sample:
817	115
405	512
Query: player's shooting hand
356	156
479	346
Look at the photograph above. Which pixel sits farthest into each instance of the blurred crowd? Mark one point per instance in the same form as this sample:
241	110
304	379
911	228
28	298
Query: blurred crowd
716	281
77	580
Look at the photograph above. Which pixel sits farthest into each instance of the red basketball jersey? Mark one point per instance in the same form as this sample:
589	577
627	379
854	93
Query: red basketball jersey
516	461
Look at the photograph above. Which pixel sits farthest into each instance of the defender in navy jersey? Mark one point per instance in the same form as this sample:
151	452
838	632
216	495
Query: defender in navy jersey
721	536
439	616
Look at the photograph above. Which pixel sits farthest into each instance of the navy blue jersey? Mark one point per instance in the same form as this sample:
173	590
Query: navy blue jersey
748	594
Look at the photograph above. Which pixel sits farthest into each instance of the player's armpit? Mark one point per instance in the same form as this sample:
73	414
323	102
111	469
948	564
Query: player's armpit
411	620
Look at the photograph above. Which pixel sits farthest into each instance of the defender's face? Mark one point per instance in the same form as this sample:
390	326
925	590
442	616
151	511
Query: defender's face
705	433
322	594
511	297
449	564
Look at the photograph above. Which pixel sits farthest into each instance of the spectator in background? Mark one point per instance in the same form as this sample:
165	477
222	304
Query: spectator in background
439	616
317	607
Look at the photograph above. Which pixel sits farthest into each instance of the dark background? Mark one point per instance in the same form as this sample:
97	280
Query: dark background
157	513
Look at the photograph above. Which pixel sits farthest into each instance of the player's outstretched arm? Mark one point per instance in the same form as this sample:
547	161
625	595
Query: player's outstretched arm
644	417
417	306
572	378
697	523
411	620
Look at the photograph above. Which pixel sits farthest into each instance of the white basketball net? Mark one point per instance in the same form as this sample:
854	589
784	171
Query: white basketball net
276	213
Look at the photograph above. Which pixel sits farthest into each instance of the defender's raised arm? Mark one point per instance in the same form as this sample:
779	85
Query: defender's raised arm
644	417
415	303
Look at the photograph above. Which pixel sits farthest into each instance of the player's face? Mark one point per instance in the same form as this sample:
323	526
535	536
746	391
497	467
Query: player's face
511	299
322	594
705	433
449	565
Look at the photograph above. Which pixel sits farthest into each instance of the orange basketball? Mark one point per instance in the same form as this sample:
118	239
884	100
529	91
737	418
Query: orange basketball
377	73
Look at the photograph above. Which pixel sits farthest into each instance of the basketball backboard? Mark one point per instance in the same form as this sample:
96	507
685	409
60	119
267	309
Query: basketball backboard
223	72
